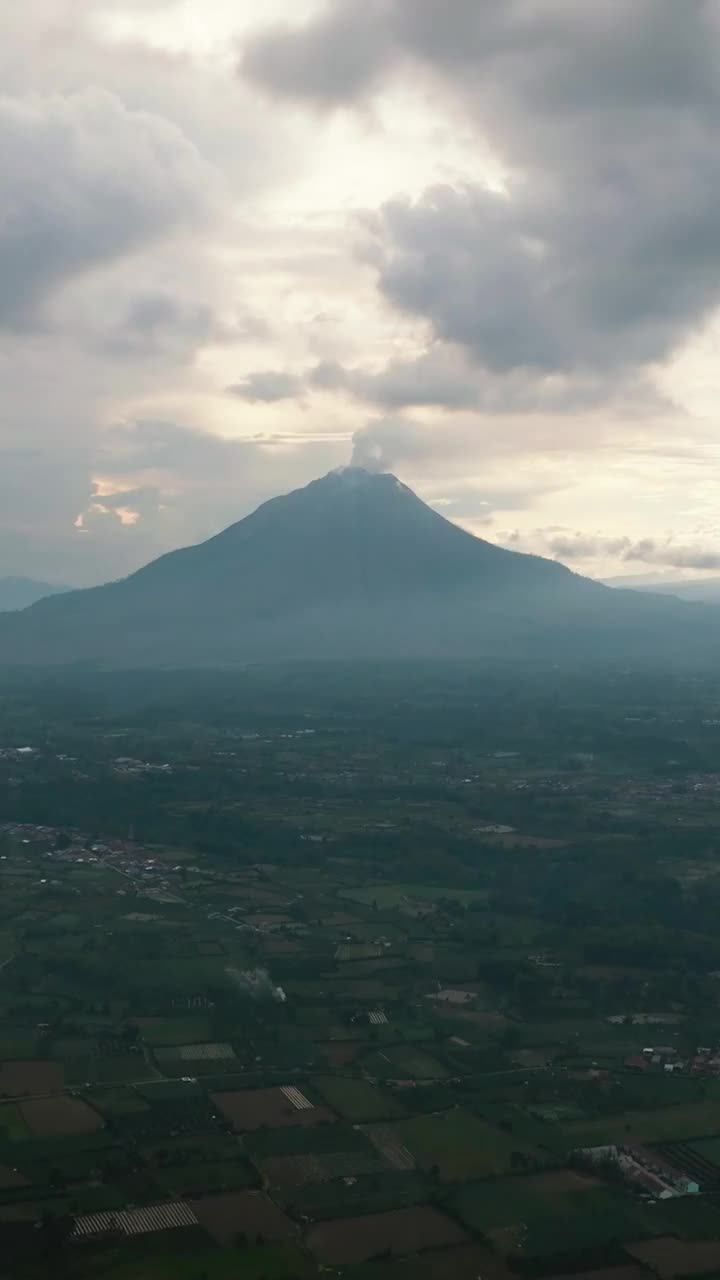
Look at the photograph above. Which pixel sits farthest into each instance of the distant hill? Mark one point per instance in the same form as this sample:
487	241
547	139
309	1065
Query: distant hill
19	593
705	590
353	565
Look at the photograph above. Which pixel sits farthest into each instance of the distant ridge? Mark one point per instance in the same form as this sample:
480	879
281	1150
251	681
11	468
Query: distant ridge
703	590
352	565
19	593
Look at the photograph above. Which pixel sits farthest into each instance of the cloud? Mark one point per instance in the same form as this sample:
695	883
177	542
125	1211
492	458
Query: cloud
192	483
640	54
459	469
566	545
154	325
327	61
601	255
138	490
380	445
154	209
673	555
267	387
443	377
134	180
85	182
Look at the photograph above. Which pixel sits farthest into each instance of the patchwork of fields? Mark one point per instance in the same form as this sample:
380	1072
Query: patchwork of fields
363	1002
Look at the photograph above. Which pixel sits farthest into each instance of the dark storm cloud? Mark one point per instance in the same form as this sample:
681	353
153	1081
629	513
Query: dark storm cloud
648	51
85	182
442	377
436	378
603	253
329	61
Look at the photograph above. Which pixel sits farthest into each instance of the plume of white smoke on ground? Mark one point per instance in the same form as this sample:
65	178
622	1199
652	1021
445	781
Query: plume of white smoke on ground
256	983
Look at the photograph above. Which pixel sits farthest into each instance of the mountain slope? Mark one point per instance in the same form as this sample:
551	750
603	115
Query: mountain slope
353	564
20	593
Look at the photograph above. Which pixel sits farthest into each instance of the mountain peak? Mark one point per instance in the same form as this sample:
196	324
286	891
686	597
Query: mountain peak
352	474
353	477
354	564
357	484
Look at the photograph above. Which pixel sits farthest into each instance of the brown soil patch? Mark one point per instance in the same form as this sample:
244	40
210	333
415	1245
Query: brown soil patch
267	921
669	1257
339	1053
555	1181
27	1078
247	1211
251	1108
609	1273
302	1171
59	1117
466	1262
402	1231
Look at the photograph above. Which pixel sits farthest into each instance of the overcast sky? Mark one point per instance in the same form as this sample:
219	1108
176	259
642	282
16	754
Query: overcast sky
476	242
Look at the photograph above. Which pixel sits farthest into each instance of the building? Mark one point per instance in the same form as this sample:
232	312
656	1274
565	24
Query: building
646	1170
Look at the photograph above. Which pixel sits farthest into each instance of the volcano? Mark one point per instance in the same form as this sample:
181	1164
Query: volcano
352	565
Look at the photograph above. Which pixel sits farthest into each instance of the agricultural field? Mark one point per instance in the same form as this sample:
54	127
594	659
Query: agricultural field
400	1232
460	1146
17	1043
31	1077
12	1122
410	898
686	1122
406	1062
709	1149
249	1109
59	1117
669	1258
355	1099
160	1032
302	1170
250	1214
519	1214
310	1019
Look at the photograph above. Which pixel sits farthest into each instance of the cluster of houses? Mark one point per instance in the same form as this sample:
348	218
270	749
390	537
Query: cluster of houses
126	764
645	1170
704	1062
662	1056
